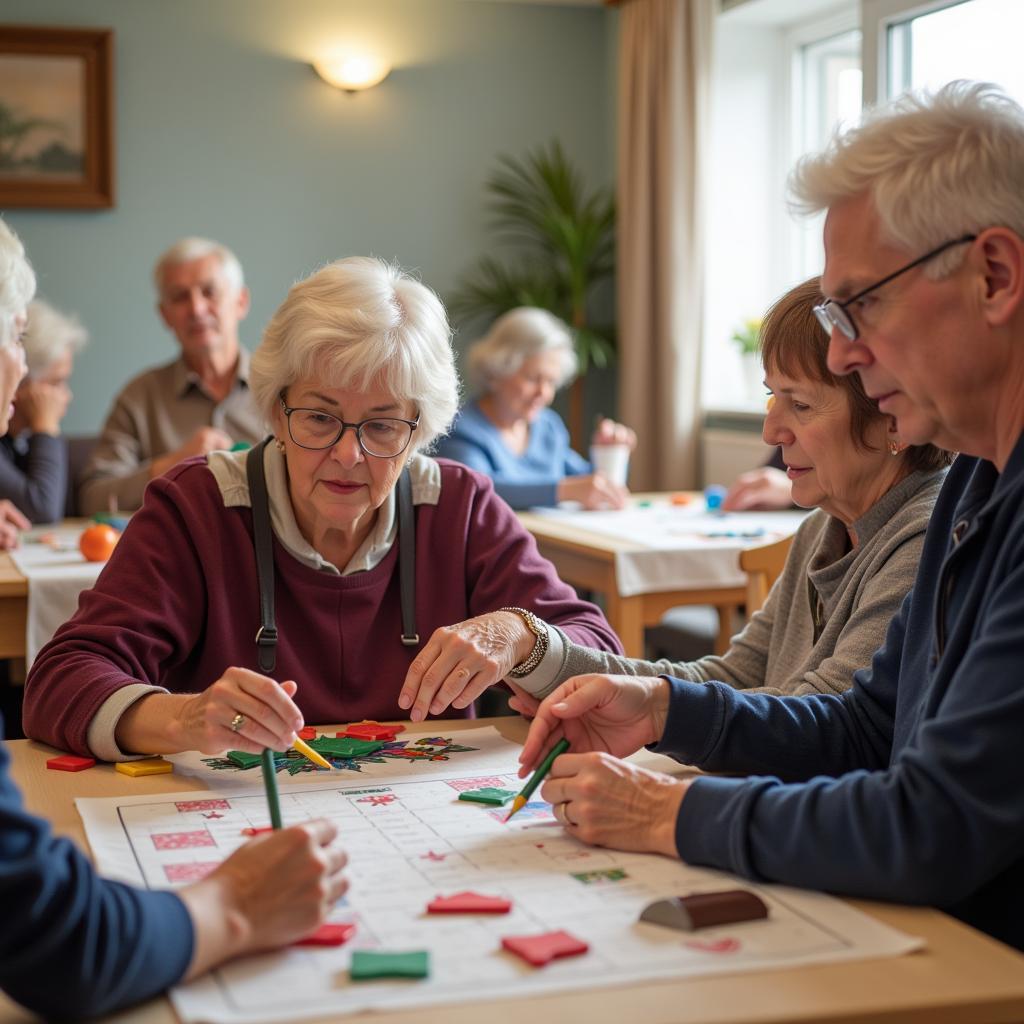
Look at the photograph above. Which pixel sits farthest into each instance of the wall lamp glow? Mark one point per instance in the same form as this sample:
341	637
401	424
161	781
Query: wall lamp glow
353	72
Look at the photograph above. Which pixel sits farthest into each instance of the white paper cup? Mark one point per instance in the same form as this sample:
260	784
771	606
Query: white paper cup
612	460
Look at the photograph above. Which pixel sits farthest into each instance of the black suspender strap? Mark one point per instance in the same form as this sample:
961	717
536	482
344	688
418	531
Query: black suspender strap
407	560
263	542
266	637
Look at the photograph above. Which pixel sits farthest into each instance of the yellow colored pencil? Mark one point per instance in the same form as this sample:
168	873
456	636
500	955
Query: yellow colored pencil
307	751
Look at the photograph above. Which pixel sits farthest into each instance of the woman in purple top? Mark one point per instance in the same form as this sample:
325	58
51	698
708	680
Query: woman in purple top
356	377
510	433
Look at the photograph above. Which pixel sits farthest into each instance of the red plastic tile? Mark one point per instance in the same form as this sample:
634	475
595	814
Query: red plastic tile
70	763
328	935
469	903
539	950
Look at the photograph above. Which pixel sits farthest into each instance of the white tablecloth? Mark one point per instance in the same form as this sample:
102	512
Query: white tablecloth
679	547
56	573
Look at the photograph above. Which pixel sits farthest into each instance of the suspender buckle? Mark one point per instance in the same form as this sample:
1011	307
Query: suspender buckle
411	641
266	636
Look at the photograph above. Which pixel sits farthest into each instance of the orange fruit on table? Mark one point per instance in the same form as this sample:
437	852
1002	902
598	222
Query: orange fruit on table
97	542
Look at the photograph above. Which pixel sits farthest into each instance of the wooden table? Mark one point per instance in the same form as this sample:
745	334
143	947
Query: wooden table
13	608
587	560
961	977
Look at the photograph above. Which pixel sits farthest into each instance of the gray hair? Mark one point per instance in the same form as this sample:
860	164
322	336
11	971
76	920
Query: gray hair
193	248
356	322
17	281
936	166
513	338
50	334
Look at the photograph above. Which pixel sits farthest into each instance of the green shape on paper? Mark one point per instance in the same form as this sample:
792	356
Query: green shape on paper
488	795
367	965
345	746
243	758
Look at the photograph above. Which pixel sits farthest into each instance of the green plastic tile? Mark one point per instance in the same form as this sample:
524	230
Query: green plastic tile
488	795
345	746
367	965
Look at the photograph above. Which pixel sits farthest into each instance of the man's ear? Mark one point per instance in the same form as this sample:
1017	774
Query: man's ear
243	303
1002	251
163	316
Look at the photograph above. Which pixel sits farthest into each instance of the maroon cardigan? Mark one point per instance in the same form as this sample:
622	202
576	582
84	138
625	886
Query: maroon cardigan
178	603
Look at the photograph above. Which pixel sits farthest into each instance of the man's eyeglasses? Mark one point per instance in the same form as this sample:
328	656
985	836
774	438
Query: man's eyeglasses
832	314
383	437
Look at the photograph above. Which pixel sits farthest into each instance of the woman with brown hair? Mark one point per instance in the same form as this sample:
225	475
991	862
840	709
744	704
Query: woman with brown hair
851	562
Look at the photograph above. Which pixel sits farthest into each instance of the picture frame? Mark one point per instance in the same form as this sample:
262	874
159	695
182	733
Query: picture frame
56	117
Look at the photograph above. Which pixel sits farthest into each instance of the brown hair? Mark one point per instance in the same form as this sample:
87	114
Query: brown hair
794	343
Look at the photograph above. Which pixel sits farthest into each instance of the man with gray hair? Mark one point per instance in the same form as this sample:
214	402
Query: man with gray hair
196	404
906	787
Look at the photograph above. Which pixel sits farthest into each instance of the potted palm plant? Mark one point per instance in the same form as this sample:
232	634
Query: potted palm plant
564	235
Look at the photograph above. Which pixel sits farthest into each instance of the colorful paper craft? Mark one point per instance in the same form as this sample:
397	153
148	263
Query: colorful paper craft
150	766
539	950
328	935
488	795
469	903
70	763
368	964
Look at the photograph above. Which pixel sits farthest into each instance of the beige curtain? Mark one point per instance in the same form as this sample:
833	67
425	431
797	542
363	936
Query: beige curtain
664	102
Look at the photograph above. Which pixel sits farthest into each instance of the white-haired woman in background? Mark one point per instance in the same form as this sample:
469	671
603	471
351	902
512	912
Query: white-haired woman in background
509	432
33	455
373	545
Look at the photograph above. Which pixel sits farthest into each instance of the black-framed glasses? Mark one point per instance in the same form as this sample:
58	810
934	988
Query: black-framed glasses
383	437
832	314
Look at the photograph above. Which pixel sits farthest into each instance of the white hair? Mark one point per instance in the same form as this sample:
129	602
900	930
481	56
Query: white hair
513	338
188	249
17	281
937	166
359	322
50	334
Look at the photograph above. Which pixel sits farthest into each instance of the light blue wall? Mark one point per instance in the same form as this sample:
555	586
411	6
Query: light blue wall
224	130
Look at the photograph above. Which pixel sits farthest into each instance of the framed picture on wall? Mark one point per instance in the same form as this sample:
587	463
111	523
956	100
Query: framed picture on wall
56	117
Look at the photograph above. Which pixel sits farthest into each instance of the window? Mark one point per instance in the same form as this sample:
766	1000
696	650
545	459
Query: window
976	39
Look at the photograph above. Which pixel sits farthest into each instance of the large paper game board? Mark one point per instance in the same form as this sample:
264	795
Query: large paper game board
410	839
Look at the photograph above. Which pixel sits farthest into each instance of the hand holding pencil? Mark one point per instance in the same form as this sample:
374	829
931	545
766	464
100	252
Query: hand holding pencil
610	714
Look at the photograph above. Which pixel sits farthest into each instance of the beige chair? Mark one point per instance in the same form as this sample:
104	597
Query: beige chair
763	566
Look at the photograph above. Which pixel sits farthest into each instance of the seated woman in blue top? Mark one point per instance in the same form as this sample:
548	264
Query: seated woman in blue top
74	945
510	433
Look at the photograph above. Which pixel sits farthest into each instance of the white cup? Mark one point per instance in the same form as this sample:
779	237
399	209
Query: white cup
611	460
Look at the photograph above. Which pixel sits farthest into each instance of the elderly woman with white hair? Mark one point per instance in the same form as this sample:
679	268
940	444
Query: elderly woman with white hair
510	433
33	455
338	544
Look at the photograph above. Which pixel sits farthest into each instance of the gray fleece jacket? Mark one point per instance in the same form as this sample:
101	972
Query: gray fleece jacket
827	613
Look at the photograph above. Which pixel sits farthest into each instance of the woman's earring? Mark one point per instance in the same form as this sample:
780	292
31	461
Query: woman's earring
279	444
895	447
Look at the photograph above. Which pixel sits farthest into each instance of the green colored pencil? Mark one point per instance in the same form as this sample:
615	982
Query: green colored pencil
538	776
270	784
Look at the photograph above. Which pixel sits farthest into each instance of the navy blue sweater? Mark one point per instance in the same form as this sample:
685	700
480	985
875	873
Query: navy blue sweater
73	945
910	786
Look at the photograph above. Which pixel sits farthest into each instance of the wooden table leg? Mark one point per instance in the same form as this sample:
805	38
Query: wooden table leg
626	615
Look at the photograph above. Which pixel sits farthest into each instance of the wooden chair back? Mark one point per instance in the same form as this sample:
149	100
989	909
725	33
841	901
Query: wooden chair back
763	566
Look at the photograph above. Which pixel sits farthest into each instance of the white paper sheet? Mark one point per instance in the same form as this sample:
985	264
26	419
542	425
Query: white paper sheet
410	839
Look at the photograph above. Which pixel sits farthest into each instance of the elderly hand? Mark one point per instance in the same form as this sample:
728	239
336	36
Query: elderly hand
42	405
610	432
461	661
592	491
766	488
607	802
273	890
613	714
202	442
264	710
12	522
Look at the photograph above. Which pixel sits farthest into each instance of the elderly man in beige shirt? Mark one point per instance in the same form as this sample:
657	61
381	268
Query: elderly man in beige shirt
196	404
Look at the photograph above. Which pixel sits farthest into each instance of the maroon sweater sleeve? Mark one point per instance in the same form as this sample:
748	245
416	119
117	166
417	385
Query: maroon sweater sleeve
504	567
145	612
